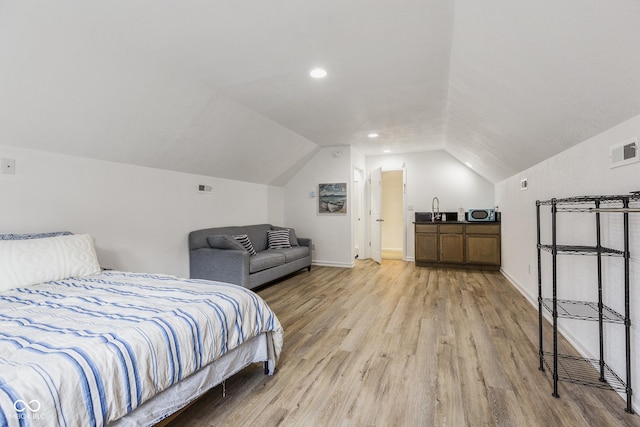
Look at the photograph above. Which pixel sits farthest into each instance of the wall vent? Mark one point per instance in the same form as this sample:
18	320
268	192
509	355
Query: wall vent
624	153
205	188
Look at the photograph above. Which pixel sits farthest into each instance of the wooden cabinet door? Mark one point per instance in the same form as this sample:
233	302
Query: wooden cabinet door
452	248
427	247
483	249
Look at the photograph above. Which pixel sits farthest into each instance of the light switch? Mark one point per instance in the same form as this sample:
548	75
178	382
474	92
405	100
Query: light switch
8	166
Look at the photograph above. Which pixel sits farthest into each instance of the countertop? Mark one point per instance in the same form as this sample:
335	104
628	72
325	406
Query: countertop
456	222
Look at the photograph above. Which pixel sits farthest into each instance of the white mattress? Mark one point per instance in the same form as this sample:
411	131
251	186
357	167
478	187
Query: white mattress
89	350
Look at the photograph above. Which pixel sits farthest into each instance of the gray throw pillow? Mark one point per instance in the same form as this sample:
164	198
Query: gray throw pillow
219	241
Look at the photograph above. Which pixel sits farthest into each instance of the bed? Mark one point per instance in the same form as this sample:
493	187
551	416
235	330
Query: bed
116	348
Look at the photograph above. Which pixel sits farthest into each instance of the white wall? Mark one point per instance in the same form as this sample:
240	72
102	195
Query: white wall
581	170
139	217
431	174
331	233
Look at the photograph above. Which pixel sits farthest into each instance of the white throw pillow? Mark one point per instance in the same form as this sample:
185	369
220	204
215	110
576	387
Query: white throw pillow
246	243
29	262
278	239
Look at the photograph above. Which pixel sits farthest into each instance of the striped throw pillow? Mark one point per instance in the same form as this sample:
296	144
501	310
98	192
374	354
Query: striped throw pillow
278	239
246	243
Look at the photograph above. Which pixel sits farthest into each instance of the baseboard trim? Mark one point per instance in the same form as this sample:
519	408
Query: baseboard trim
533	300
321	263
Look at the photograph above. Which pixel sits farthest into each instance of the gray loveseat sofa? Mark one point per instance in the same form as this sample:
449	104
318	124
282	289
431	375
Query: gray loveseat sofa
215	255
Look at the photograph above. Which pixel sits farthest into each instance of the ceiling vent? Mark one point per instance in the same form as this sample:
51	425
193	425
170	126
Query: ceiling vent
624	153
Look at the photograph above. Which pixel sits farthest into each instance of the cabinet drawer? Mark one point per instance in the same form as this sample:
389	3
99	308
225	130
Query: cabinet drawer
483	228
451	228
426	228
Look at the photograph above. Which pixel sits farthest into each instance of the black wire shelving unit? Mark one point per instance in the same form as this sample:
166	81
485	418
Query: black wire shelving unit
578	370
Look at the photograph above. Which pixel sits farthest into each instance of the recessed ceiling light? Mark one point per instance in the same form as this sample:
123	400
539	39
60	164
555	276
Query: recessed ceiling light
468	165
386	151
318	73
373	135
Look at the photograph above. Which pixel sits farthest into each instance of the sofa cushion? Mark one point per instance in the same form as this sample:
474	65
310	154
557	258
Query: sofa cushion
264	260
244	240
293	239
198	238
224	242
293	253
258	235
278	239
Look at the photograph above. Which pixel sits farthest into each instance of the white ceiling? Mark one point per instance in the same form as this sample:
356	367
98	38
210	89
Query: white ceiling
221	88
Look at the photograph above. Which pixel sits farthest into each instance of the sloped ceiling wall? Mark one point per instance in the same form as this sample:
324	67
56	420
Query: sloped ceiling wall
222	89
531	79
101	80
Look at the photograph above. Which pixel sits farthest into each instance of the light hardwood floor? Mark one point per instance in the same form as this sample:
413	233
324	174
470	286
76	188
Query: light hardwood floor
399	345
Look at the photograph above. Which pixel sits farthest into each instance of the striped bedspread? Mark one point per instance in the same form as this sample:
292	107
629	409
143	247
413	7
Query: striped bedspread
86	351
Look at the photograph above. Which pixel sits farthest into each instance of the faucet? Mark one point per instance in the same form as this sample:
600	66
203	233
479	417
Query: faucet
435	209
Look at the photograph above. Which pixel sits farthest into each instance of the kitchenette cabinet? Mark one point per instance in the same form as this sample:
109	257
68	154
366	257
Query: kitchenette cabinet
426	243
458	244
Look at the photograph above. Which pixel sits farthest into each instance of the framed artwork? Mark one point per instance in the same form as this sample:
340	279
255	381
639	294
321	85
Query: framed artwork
332	198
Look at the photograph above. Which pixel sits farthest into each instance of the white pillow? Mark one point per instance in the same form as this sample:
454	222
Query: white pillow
28	262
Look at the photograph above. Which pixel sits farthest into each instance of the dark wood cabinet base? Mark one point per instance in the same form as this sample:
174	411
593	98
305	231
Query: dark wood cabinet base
458	245
458	266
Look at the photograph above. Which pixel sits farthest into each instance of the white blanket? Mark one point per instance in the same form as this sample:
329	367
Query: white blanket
86	351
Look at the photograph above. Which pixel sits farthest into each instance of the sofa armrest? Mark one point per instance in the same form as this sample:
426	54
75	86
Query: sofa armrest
223	265
303	241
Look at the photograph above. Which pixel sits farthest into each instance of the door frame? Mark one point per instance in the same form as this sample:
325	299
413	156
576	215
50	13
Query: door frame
358	220
375	217
404	207
406	221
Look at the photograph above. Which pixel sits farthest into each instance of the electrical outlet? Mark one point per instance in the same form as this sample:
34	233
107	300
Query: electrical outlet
8	166
313	246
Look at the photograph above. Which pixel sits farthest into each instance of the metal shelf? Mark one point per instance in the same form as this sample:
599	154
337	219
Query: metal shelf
590	199
582	310
579	370
581	250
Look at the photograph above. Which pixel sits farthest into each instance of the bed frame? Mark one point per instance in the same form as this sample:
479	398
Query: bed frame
167	404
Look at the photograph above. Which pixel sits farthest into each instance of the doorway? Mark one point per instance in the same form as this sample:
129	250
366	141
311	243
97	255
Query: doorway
392	214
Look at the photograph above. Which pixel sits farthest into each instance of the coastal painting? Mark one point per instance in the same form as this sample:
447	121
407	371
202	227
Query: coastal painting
332	198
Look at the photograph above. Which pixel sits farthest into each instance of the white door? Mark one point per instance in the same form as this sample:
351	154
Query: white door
376	215
356	212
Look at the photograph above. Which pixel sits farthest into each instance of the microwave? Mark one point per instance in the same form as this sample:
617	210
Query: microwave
481	215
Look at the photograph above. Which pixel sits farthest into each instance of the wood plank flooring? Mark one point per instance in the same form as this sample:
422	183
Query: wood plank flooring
399	345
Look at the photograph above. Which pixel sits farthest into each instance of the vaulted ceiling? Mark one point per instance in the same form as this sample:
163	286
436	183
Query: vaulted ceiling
222	88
